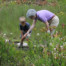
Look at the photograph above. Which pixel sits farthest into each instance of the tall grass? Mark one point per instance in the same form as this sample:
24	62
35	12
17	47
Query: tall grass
9	16
38	56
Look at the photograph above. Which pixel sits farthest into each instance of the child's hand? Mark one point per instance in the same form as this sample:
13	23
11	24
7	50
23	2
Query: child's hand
24	37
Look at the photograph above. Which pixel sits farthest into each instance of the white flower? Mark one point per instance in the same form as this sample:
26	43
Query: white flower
54	49
25	44
55	54
18	44
50	44
38	34
7	40
55	57
61	47
4	34
64	43
60	38
34	45
63	56
11	33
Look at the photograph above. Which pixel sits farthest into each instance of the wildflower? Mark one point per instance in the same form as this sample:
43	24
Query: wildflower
63	25
54	54
4	34
34	45
64	43
60	38
25	44
55	57
11	33
63	56
38	34
61	47
18	44
7	40
50	44
54	49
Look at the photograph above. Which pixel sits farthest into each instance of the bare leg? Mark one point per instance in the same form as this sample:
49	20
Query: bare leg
52	32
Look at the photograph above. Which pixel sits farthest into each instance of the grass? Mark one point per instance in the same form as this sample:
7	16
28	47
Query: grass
54	50
9	16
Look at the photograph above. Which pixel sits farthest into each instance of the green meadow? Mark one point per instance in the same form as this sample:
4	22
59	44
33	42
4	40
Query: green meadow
43	50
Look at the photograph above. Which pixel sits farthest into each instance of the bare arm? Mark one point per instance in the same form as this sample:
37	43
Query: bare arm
32	26
47	25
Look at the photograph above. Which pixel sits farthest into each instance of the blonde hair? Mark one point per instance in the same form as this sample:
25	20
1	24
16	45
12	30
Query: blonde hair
21	19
